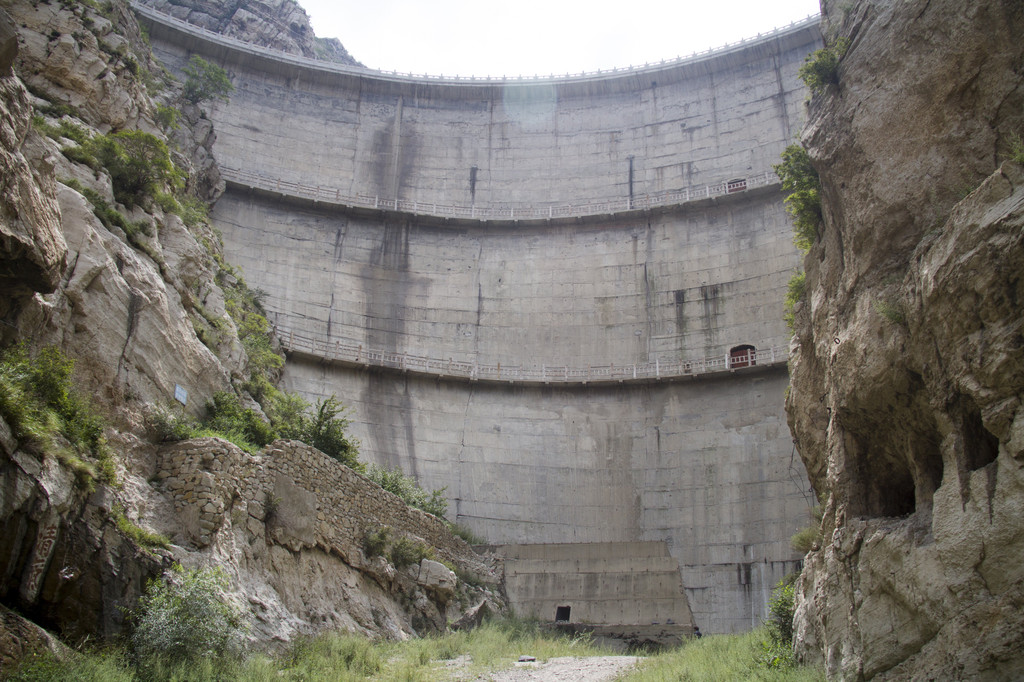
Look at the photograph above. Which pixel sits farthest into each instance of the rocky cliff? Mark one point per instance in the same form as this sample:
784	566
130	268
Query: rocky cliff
907	365
278	24
134	294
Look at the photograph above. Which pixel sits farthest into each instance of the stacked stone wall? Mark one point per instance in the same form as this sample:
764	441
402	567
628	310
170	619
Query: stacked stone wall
304	498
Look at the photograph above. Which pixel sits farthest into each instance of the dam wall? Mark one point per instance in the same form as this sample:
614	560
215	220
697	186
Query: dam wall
530	142
665	273
628	583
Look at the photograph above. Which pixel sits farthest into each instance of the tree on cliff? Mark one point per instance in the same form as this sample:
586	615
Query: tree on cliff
802	186
138	163
205	81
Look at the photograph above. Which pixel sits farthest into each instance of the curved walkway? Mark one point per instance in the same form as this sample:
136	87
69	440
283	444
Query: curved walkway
156	15
330	195
357	355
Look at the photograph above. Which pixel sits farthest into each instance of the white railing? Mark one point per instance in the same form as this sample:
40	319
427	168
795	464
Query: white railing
168	20
329	195
356	354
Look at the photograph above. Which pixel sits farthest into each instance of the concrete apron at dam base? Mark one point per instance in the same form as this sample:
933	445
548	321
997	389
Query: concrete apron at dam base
627	595
555	232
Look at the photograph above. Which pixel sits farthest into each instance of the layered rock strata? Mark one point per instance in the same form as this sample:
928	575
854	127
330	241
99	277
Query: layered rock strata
908	362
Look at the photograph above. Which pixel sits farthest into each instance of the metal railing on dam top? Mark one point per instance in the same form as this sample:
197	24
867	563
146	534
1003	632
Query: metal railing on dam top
169	20
356	355
329	195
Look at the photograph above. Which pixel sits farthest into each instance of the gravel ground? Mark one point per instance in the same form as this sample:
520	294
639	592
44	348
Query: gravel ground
568	669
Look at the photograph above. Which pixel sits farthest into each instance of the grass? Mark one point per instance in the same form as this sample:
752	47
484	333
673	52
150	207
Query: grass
795	290
891	310
142	537
333	656
496	645
720	657
802	187
48	415
1017	148
821	68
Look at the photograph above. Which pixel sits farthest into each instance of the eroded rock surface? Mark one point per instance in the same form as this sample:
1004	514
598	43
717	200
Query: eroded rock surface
32	249
289	524
908	361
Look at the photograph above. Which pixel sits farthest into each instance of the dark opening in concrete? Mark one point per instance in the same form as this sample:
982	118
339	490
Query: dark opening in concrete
562	614
742	356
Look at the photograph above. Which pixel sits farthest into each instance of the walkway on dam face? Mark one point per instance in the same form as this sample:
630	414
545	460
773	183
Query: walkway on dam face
659	370
153	14
332	196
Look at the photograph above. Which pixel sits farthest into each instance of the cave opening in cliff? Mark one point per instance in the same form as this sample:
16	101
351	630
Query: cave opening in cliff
980	446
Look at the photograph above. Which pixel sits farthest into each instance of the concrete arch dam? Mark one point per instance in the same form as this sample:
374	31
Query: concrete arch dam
659	275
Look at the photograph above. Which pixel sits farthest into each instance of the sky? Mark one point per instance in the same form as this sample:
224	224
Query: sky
538	37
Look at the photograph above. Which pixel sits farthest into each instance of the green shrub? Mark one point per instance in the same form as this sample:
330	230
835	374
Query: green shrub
795	290
285	417
1017	148
891	310
105	665
139	164
193	210
82	154
39	404
777	649
64	129
802	186
205	81
245	306
169	425
110	216
806	538
394	481
326	433
375	543
405	552
73	132
56	109
286	411
225	415
167	202
184	618
821	68
167	117
330	655
465	533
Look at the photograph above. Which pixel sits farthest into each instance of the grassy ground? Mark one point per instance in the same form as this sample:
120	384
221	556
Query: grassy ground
720	657
461	655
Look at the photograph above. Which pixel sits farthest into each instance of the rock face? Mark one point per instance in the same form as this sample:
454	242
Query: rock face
127	305
278	24
908	362
120	305
289	524
61	560
32	248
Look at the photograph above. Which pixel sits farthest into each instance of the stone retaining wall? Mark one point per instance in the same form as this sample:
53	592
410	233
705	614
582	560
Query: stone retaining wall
304	497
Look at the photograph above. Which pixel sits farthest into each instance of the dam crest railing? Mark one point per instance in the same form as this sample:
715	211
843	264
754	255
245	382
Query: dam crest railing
169	20
352	354
330	195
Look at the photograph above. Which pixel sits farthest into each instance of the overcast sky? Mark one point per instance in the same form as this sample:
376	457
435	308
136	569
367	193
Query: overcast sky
539	37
